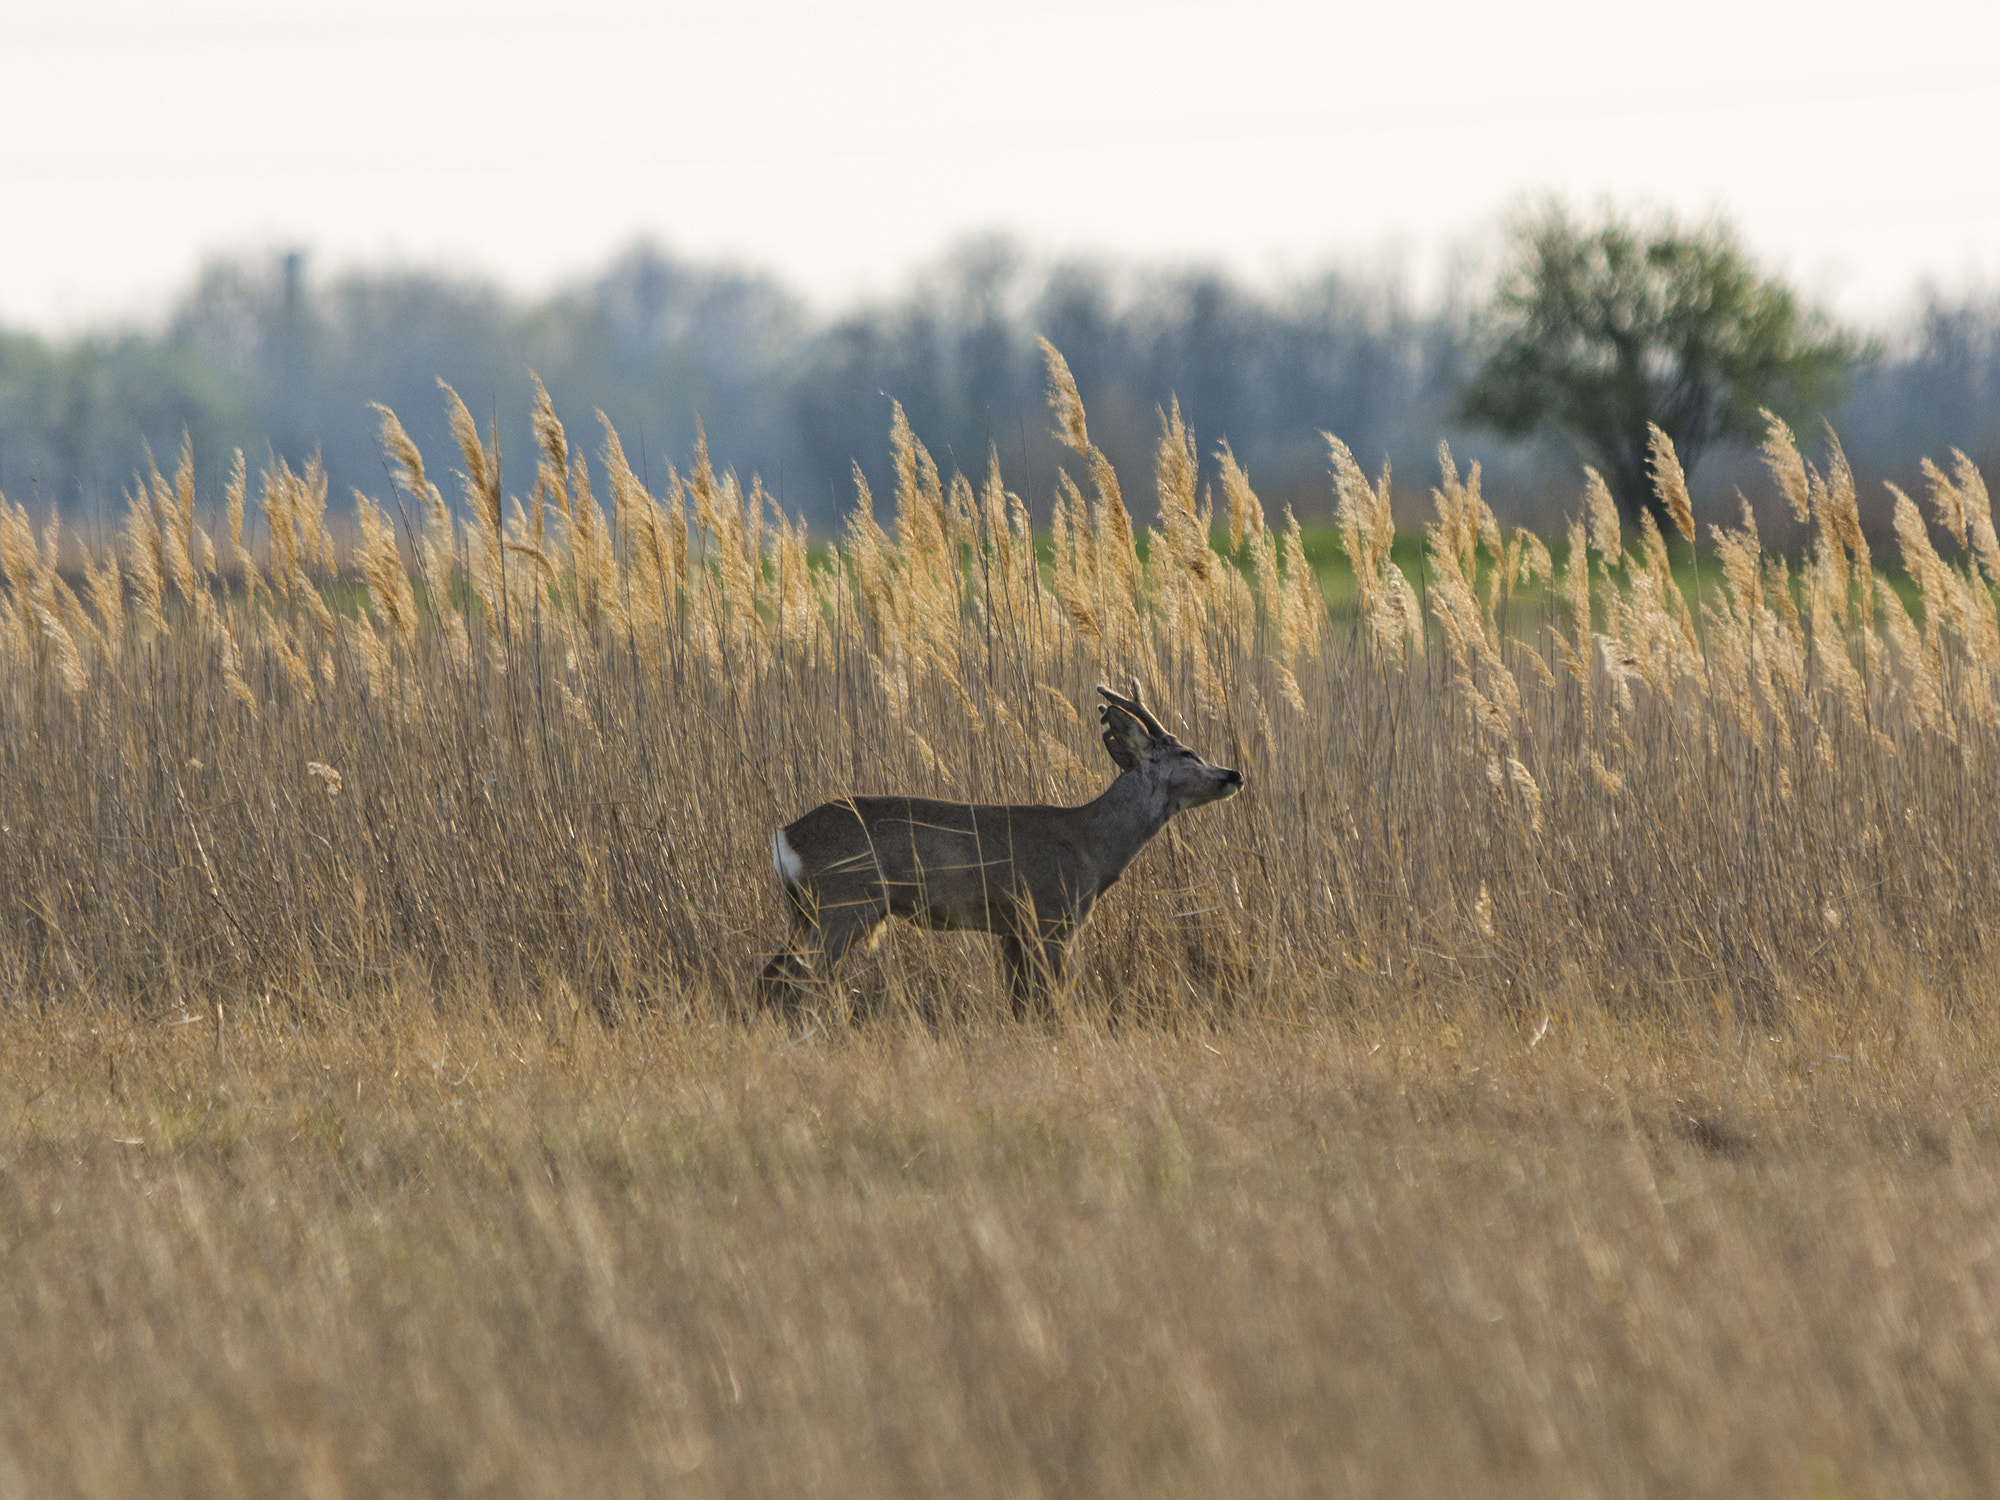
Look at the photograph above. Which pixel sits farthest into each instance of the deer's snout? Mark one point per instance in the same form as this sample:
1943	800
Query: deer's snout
1232	781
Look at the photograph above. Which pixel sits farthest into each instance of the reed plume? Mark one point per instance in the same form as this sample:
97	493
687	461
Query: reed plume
701	638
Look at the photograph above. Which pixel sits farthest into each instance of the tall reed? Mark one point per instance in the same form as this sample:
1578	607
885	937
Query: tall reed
537	745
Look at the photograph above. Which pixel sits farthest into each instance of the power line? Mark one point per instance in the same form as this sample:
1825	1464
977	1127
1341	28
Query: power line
473	27
1067	137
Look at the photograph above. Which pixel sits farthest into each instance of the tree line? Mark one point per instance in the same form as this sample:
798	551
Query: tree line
266	356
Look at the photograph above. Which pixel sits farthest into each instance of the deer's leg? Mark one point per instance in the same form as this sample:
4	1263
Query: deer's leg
1050	969
786	976
1034	969
814	950
786	969
1015	959
841	929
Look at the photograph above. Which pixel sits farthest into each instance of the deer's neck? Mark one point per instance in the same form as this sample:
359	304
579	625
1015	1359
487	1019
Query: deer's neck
1123	819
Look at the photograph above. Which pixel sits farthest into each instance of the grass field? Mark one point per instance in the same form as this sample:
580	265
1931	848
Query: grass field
435	1249
1568	1067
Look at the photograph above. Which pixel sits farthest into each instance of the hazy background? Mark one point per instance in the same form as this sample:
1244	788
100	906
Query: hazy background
249	220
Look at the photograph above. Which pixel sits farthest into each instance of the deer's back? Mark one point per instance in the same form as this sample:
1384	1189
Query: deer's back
951	859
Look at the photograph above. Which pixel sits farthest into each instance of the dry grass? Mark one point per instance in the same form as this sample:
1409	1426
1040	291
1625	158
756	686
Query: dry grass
441	1250
1566	1069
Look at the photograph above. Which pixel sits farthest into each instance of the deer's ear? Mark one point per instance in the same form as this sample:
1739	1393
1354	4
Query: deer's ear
1124	736
1124	754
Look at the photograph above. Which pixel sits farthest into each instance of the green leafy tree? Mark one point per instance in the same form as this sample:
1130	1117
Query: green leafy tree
1599	329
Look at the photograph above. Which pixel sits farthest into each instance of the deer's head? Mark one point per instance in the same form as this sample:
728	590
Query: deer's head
1178	776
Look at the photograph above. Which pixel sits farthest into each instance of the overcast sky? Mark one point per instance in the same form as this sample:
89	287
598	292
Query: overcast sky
839	143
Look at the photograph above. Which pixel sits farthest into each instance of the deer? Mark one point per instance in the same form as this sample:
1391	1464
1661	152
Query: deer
1028	874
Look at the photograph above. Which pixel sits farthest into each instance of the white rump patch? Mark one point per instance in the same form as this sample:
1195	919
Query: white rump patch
791	869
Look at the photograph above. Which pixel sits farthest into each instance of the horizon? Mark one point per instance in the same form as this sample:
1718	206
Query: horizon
1457	283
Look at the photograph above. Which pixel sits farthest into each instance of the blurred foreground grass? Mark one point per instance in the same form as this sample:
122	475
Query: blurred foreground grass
443	1249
